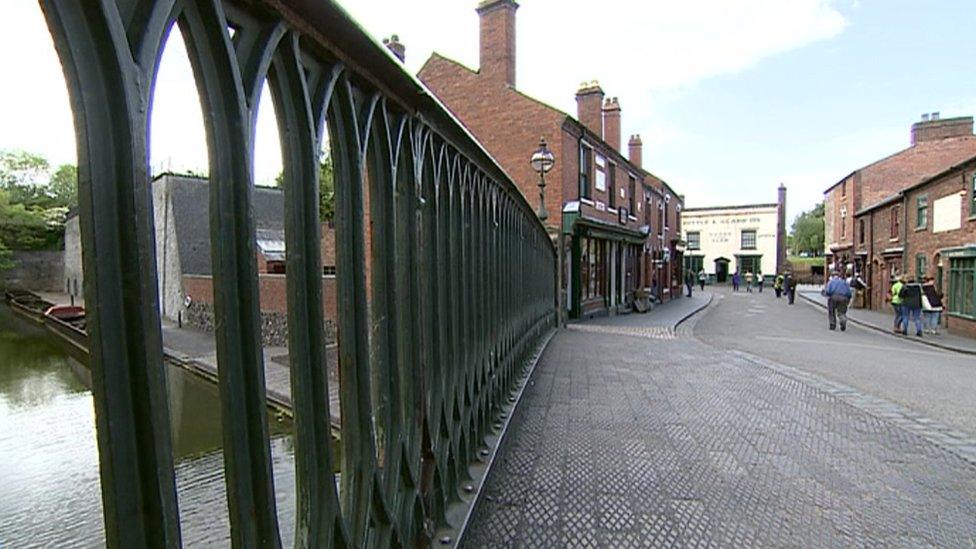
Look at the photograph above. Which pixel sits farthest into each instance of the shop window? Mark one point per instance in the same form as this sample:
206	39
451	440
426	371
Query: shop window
748	241
694	240
962	286
922	212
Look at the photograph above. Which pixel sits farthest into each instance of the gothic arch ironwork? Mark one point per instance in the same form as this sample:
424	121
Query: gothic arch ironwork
460	284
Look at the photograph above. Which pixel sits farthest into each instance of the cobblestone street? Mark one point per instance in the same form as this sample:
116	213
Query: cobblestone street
624	441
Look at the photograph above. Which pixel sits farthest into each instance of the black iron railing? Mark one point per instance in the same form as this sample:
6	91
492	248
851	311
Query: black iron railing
461	282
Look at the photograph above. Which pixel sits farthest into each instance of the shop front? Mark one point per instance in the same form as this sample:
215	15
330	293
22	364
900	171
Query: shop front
604	263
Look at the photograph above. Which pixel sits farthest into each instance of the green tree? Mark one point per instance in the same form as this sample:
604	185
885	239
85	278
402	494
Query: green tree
64	186
808	231
6	261
22	228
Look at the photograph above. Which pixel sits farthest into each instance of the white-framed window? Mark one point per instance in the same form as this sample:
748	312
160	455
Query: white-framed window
600	177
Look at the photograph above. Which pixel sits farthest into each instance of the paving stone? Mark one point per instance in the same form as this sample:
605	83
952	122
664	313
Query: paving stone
692	446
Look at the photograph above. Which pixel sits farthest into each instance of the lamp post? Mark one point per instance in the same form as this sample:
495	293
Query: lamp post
542	161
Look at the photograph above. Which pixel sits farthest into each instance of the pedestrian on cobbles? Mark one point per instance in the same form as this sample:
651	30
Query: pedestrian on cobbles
778	285
838	294
749	280
759	280
789	286
702	277
736	280
895	297
689	280
931	306
911	304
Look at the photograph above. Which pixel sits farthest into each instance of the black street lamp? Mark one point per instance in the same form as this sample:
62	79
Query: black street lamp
542	161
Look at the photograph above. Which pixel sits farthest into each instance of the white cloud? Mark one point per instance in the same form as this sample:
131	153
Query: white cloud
640	51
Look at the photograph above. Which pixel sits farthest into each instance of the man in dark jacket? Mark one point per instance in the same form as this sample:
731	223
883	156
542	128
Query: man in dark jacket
911	303
838	296
789	286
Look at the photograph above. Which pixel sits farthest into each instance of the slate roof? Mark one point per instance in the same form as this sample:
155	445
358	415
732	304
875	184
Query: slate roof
912	165
190	199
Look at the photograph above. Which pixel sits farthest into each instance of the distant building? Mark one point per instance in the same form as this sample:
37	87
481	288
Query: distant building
926	229
624	222
724	239
181	207
937	144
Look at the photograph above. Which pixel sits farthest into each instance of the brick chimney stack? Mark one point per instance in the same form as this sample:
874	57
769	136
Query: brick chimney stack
933	128
781	228
497	55
397	47
635	149
611	122
589	106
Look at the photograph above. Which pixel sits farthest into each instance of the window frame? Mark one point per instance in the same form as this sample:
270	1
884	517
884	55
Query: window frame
611	185
697	240
585	172
921	212
894	232
921	265
742	239
962	281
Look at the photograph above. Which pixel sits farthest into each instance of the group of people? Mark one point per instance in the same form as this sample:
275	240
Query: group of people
751	280
916	303
691	277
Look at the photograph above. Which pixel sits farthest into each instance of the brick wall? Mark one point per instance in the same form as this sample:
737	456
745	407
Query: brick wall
929	243
274	298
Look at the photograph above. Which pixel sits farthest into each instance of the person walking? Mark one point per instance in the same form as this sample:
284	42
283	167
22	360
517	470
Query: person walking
838	294
911	304
789	286
895	297
931	306
702	277
736	280
749	280
689	280
778	285
759	280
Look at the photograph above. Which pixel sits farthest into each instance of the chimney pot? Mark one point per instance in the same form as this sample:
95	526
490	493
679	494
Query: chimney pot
611	122
589	106
635	150
395	46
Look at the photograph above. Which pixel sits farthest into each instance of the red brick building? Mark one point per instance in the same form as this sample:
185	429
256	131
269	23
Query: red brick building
936	145
927	229
623	222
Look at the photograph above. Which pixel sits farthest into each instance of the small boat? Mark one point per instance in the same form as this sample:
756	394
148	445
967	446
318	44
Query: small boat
66	313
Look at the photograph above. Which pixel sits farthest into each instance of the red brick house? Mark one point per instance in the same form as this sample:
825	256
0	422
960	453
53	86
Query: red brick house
936	145
927	229
622	222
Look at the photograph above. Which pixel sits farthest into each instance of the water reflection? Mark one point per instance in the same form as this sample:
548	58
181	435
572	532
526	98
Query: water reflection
50	495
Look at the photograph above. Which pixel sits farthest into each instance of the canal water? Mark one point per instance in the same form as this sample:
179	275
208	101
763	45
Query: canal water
49	485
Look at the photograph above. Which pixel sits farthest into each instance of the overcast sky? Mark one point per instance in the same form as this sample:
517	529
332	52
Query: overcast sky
731	97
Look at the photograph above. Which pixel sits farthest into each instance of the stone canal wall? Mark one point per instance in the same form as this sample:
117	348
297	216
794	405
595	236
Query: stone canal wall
41	271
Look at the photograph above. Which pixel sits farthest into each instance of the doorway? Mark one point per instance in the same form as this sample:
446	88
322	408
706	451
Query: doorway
721	270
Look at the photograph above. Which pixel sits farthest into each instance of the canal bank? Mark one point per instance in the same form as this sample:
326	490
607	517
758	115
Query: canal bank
50	473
